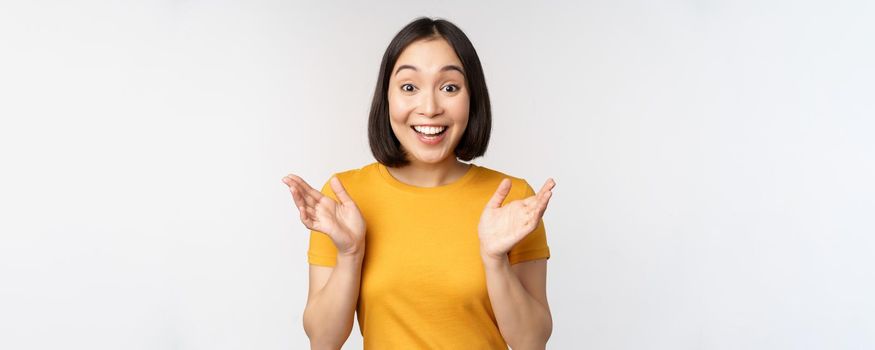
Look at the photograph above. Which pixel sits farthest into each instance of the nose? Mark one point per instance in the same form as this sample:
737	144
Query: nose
428	104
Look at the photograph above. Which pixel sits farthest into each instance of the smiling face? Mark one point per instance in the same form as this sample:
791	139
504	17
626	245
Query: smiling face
428	100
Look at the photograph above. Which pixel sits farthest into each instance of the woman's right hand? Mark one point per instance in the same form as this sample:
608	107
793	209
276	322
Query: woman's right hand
342	221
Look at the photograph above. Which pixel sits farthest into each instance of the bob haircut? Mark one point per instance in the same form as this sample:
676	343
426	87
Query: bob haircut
384	144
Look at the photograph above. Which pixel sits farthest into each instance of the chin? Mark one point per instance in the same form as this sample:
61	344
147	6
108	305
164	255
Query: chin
430	160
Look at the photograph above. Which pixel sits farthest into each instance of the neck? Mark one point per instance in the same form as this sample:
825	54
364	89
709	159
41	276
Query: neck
422	174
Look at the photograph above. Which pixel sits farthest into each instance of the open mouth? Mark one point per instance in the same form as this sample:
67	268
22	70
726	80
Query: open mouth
430	131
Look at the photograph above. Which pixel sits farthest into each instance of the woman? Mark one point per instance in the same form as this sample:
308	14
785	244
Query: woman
432	252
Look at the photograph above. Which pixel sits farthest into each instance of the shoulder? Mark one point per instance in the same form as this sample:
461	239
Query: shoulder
488	177
355	175
351	178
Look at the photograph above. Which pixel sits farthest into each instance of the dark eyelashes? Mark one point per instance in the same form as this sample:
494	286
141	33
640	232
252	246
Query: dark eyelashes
404	87
455	88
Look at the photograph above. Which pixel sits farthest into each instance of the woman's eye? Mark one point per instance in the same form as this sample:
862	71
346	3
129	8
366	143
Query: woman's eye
407	87
451	88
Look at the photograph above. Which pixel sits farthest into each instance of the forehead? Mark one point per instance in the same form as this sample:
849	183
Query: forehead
428	55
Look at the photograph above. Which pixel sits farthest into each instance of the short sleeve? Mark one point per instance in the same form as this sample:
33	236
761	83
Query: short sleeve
322	250
534	245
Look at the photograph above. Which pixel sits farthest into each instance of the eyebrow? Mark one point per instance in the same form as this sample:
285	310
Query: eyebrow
446	68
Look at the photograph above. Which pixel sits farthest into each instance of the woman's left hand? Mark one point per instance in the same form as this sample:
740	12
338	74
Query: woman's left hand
502	227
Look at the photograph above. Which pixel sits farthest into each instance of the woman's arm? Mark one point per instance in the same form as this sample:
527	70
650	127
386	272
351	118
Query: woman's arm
333	292
519	301
518	295
331	302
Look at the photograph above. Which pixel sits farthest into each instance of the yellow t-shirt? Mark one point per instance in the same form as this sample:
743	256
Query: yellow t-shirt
423	285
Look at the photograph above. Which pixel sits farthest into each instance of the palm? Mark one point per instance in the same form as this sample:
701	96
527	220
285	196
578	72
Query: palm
341	220
502	227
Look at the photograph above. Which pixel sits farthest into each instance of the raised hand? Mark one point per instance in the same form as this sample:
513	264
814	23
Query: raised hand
502	227
342	221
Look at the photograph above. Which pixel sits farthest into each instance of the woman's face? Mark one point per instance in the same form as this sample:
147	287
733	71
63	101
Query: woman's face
427	95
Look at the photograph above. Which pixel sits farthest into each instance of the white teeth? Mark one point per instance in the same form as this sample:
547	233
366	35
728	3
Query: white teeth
429	130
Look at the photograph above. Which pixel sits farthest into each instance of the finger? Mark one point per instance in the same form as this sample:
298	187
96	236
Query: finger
299	201
544	202
298	190
311	212
531	219
313	218
339	190
311	195
548	185
287	179
306	187
500	194
307	216
305	219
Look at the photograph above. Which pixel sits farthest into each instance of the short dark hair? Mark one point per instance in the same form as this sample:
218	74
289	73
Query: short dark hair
384	144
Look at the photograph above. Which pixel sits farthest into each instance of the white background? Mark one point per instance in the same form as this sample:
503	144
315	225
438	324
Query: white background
713	159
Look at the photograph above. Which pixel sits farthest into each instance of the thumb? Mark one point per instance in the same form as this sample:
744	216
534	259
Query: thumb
500	194
339	191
